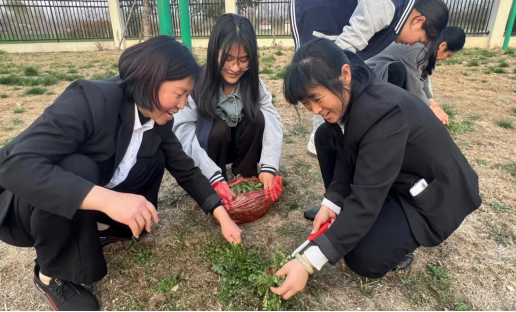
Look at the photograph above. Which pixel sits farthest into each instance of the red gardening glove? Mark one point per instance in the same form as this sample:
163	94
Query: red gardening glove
275	190
226	193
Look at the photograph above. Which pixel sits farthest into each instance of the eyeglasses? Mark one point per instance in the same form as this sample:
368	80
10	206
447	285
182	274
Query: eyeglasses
231	63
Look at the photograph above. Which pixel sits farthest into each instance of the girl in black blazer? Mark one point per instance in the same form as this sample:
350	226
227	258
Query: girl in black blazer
394	177
98	154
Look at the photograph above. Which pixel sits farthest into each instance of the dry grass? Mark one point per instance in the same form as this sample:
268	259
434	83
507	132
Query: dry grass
471	270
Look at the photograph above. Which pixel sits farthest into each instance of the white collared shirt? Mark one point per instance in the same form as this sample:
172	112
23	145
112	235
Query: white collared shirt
129	159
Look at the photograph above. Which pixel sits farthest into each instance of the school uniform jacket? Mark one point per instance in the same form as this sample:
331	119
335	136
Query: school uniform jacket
392	139
96	119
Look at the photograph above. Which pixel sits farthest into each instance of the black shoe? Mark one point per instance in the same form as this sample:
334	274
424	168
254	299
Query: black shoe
115	234
65	296
310	213
405	263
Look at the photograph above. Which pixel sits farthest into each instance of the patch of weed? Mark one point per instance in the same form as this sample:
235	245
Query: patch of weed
294	230
439	282
299	130
72	71
499	70
4	95
512	261
30	71
247	277
449	110
106	74
35	91
472	63
281	73
500	207
301	168
267	71
293	205
49	80
503	64
50	93
453	61
19	110
506	124
247	186
513	110
165	285
510	51
114	66
466	74
139	254
89	65
483	81
16	122
279	53
460	127
480	162
268	60
474	117
463	305
501	234
16	88
5	141
2	52
273	99
511	168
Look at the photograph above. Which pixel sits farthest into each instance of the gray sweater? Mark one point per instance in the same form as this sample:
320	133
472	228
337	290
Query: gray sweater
185	126
408	56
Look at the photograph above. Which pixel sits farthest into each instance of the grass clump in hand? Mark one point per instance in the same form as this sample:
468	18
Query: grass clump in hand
247	186
246	277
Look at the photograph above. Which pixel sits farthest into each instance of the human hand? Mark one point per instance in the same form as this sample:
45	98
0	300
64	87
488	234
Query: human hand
267	179
297	276
439	113
322	217
231	232
225	193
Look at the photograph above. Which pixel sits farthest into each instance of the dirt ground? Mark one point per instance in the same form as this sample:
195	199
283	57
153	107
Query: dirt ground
474	269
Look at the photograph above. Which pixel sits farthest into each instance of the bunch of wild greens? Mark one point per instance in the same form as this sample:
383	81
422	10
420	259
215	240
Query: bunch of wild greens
247	277
247	186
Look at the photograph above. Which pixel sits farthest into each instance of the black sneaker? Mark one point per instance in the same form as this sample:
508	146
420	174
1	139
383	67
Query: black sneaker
65	296
114	234
311	212
405	263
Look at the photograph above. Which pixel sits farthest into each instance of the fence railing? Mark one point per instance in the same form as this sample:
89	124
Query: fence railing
54	20
57	20
269	18
471	15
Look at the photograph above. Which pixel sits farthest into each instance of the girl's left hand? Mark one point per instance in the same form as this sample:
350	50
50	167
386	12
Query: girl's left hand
267	179
297	276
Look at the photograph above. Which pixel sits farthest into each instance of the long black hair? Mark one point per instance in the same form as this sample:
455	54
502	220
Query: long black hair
319	63
230	30
455	38
145	66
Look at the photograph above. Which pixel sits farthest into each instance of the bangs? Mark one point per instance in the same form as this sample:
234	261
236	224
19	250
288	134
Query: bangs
229	43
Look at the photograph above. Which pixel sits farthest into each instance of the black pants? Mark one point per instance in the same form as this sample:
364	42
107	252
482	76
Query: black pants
70	249
240	145
390	237
397	74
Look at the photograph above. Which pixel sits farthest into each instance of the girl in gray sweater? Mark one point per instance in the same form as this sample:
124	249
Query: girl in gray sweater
230	118
409	67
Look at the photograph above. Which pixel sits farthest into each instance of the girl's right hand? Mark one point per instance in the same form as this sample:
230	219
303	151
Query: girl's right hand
231	232
322	216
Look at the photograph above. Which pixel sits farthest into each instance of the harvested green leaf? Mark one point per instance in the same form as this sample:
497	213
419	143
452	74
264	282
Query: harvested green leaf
247	186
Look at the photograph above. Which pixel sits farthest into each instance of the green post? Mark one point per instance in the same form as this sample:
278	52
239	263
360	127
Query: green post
184	17
165	18
510	24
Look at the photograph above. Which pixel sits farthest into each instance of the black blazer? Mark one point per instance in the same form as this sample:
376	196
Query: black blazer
392	139
96	119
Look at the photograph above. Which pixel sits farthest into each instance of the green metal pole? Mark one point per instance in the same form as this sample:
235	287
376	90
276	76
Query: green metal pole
184	17
165	18
510	24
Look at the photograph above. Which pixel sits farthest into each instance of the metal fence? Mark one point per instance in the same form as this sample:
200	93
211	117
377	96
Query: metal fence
54	20
471	15
203	14
269	18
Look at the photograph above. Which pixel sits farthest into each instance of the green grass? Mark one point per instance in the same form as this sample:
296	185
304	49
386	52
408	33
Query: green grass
4	95
267	71
281	73
5	141
500	207
472	63
484	81
165	285
511	168
89	65
439	282
273	101
279	53
49	80
463	305
246	277
72	71
3	52
466	74
502	234
513	110
15	80
114	66
499	70
460	127
35	91
31	71
268	60
510	51
105	75
453	61
449	110
140	255
16	122
506	124
294	230
480	162
247	186
19	110
503	64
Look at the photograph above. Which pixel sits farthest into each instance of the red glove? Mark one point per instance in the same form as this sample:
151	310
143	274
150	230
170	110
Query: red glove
226	193
276	188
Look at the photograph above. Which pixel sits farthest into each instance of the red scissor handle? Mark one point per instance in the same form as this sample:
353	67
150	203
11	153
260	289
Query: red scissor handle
322	229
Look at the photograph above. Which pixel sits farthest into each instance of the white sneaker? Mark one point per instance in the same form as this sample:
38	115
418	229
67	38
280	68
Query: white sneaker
311	144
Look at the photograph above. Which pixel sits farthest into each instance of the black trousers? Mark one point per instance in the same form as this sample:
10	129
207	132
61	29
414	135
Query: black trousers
397	74
70	249
390	237
240	145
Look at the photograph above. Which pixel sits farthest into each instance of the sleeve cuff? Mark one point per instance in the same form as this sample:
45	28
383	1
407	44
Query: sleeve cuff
326	202
316	257
269	169
217	177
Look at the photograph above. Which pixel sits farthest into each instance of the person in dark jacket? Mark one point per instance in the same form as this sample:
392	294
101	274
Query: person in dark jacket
394	178
367	27
88	170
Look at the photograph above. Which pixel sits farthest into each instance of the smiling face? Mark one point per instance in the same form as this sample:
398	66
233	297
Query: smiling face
172	96
237	62
325	103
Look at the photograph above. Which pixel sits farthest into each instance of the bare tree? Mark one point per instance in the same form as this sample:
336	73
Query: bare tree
146	21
